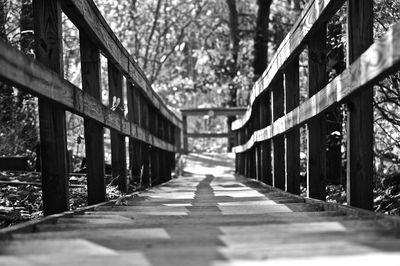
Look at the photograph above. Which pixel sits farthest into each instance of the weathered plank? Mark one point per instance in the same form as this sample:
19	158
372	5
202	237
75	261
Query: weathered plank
381	59
86	16
27	74
316	13
53	140
94	132
360	150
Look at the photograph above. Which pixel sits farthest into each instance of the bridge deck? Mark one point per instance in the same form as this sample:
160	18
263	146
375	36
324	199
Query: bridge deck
206	217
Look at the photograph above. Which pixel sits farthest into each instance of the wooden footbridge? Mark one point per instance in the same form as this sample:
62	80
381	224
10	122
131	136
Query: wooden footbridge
224	209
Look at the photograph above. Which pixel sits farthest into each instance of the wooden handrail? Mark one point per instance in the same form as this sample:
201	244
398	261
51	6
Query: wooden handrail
381	59
86	16
314	14
268	134
154	131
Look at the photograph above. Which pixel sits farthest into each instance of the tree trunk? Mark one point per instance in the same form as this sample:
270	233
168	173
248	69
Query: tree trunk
235	39
261	38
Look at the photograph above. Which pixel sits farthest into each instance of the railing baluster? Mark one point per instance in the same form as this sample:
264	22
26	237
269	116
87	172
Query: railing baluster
145	147
318	77
278	142
360	116
94	131
135	152
266	159
292	138
185	139
53	141
118	149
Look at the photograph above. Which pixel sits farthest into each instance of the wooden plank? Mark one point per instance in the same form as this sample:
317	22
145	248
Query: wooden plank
316	128
94	132
53	141
232	111
278	142
118	148
315	14
29	75
292	138
360	116
85	15
381	59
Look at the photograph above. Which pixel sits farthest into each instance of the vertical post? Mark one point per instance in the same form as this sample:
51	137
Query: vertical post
265	120
292	138
94	132
145	147
118	149
360	115
316	159
53	142
257	147
135	154
246	153
278	142
185	138
153	153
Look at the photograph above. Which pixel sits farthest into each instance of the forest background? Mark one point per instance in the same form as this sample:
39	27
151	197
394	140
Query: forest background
204	53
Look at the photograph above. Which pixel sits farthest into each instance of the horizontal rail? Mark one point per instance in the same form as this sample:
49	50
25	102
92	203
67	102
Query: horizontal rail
215	111
382	58
316	13
26	73
85	15
208	135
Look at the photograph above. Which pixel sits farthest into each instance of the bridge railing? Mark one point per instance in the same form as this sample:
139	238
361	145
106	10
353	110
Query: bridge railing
268	133
211	112
153	130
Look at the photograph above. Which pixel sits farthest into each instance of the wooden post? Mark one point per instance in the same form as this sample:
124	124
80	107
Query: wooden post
94	131
278	142
185	139
292	138
53	141
265	147
153	153
118	149
246	153
360	115
316	159
144	118
135	146
257	148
